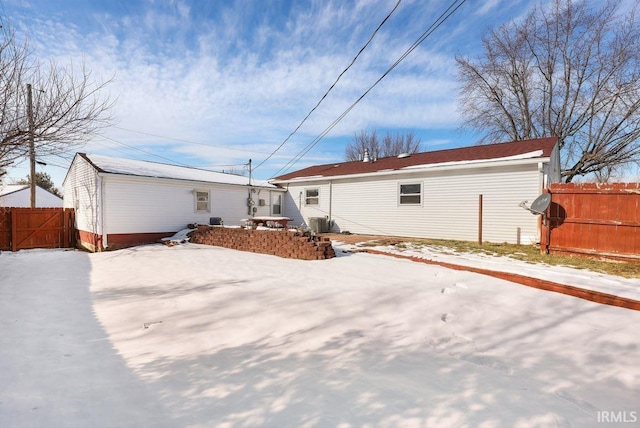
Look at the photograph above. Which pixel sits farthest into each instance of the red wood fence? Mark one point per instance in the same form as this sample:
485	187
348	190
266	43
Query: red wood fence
25	228
594	219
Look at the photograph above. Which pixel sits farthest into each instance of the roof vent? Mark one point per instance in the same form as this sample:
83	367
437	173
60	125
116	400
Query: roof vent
404	155
366	155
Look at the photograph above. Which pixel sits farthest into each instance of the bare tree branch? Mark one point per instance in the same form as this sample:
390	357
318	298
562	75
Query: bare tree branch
391	145
568	71
68	106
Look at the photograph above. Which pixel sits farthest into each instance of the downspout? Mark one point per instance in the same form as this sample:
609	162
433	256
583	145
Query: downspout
300	207
543	181
283	200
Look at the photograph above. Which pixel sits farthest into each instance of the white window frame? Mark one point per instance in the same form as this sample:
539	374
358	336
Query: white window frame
307	198
409	195
196	194
277	203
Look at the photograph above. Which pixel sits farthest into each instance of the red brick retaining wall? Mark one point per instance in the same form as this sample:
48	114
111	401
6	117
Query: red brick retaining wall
281	242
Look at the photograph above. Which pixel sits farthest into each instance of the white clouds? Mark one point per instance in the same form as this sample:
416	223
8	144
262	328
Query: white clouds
244	74
488	6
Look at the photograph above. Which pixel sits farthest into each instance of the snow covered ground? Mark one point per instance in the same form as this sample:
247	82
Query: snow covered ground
194	335
615	285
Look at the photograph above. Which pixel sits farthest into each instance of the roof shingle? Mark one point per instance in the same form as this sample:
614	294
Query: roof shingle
543	147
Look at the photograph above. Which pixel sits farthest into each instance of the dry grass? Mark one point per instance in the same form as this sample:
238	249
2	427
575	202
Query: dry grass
526	253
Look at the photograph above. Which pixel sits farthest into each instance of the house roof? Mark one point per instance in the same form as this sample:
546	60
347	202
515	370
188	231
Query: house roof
8	189
12	188
19	195
527	149
139	168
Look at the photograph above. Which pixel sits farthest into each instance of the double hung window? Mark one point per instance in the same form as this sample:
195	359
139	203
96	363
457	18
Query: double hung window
202	200
312	196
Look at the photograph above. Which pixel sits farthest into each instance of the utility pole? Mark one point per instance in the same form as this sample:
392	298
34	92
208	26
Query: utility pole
250	198
32	150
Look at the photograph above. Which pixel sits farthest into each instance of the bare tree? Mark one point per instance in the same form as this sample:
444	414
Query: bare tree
13	122
393	145
569	71
390	145
361	140
66	106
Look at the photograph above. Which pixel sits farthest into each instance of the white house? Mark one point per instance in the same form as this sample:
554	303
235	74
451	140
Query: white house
19	195
121	202
429	195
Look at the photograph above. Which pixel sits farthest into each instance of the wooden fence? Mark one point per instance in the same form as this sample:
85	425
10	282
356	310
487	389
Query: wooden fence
594	219
25	228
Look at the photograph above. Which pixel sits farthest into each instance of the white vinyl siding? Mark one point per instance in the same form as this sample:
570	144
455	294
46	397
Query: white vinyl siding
448	209
110	204
296	208
82	192
293	208
148	205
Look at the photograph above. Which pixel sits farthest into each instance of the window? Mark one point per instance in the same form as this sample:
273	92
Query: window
311	196
411	194
202	200
277	205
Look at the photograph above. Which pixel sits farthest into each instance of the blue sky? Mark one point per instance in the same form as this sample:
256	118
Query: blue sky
215	83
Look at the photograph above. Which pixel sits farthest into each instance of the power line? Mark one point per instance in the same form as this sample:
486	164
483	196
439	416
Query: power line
333	85
453	7
164	158
439	21
145	151
49	163
189	142
220	166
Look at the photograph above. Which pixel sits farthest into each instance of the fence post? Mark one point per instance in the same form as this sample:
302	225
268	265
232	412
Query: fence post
480	220
545	226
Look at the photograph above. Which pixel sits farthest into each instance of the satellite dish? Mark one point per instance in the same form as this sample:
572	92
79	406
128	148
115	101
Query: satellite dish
540	205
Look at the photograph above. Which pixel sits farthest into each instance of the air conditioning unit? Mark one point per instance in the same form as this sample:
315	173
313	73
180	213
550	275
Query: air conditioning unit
261	202
318	224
